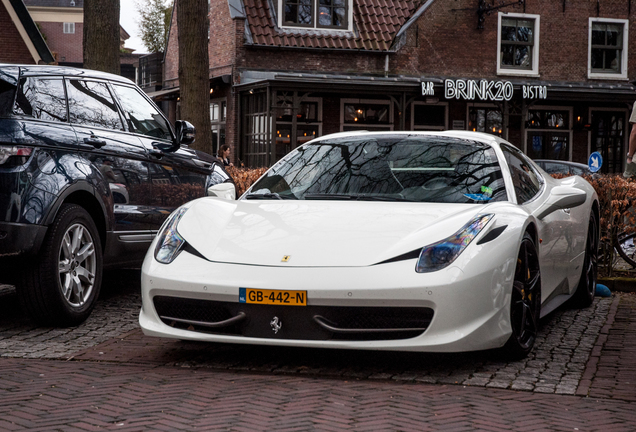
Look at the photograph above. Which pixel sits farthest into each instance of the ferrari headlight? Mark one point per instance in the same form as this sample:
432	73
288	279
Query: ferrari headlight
170	241
441	254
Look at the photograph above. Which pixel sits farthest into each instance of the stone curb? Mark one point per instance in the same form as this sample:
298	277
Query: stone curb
622	284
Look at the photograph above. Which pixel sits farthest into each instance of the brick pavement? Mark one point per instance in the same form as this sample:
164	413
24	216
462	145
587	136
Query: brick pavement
113	377
44	395
556	365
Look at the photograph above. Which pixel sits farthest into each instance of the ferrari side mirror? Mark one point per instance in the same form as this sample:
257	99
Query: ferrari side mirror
223	190
561	197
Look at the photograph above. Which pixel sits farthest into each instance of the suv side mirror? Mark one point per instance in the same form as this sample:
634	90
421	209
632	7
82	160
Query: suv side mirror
185	133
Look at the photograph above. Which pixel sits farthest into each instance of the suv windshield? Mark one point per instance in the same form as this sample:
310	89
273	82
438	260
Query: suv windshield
387	167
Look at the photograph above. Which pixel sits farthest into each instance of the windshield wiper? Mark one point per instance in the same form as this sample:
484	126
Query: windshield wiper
356	197
268	195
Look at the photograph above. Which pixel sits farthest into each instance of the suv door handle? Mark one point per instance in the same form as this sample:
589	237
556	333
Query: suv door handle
156	153
95	142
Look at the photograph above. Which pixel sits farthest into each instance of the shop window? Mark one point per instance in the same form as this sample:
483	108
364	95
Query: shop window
218	112
256	125
296	126
548	134
328	14
608	137
518	44
607	48
485	119
357	114
429	116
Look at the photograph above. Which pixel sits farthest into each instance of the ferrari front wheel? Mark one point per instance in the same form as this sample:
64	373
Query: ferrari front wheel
525	304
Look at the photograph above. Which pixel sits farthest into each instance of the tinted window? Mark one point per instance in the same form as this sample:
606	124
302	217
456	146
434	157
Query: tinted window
525	178
577	171
91	104
41	98
8	84
388	168
142	117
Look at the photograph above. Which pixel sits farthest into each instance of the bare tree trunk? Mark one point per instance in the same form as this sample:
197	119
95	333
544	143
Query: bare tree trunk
101	35
194	65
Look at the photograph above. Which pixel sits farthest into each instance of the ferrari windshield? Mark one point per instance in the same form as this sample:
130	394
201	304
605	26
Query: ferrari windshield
419	168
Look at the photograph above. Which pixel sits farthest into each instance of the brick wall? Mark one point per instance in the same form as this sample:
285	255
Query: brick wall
12	46
67	46
446	42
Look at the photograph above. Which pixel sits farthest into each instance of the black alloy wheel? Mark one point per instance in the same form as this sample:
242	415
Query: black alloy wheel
525	306
584	295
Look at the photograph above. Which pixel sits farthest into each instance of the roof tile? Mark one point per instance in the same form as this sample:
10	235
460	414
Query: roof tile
377	23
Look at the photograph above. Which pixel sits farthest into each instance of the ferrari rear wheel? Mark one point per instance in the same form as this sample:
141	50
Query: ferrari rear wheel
584	295
525	306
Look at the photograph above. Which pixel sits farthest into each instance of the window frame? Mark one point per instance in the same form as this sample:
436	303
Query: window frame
219	123
487	106
120	113
622	75
365	126
315	6
70	26
570	130
533	71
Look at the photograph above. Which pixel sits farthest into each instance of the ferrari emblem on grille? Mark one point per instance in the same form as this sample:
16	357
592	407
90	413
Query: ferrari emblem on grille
276	324
286	258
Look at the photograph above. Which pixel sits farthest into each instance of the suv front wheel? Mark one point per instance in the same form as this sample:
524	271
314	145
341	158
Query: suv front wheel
62	286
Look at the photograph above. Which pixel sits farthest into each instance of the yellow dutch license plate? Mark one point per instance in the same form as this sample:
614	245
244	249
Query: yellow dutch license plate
273	297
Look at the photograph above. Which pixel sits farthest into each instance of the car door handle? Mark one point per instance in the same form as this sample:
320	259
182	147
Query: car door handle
156	153
95	142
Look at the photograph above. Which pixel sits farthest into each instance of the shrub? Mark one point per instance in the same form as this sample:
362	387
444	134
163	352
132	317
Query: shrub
616	195
244	177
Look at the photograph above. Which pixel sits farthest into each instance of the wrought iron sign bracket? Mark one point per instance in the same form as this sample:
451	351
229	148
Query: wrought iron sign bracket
484	9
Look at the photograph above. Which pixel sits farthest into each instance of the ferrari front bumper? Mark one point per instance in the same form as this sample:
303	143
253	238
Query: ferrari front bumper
469	304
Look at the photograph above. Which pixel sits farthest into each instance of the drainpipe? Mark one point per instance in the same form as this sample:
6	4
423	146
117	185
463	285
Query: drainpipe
386	66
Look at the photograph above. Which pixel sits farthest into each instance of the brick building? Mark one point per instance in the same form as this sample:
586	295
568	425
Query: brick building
62	24
20	40
552	77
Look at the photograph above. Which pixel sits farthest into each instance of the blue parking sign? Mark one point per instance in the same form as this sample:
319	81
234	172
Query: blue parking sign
595	162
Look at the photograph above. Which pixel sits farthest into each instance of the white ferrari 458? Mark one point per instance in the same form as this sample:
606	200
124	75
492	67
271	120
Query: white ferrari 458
411	241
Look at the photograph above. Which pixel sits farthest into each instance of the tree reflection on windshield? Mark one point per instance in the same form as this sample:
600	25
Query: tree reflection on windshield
387	167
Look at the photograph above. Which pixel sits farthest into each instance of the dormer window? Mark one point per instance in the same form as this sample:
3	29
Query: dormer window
318	14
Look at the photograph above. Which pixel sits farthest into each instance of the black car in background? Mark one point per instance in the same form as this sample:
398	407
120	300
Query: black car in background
562	167
89	170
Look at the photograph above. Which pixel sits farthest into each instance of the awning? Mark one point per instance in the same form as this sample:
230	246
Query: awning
160	94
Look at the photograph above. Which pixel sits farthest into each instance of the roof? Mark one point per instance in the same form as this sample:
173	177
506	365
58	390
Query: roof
376	23
42	70
27	28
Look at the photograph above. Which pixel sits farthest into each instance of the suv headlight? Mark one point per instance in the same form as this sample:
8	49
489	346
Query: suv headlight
170	241
441	254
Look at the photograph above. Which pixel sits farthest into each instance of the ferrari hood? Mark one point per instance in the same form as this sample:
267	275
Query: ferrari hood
317	233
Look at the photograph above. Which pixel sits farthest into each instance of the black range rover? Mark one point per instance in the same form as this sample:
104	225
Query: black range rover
89	170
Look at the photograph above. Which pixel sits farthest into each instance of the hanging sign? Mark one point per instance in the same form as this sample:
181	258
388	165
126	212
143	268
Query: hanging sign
484	90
